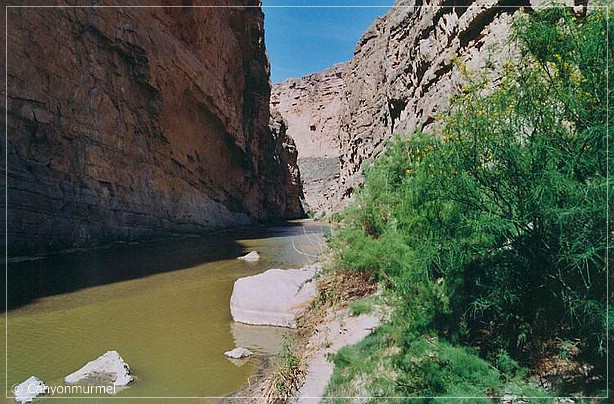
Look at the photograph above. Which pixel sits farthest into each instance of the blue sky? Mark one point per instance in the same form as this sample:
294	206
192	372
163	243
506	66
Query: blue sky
303	40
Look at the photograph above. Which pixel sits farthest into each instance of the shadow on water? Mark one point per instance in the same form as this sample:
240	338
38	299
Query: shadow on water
67	272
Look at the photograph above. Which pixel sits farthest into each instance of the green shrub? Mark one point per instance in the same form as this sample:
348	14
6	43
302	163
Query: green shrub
493	232
365	305
434	368
362	370
428	367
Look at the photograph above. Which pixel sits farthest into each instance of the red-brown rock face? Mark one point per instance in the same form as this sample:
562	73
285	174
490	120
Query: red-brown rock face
135	122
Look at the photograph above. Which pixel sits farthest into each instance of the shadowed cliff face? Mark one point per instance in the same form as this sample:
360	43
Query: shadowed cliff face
126	123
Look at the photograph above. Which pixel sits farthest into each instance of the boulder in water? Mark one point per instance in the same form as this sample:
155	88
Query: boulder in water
28	390
108	368
275	297
238	353
250	257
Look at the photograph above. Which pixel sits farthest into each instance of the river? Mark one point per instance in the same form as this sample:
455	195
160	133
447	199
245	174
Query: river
164	306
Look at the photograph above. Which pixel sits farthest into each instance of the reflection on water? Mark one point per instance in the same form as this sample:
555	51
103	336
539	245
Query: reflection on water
264	340
163	306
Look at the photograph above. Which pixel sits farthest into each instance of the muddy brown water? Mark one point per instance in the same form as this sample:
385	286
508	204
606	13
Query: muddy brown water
164	306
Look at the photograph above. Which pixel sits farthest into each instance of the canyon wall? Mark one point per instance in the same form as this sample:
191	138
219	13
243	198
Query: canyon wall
311	106
126	123
406	67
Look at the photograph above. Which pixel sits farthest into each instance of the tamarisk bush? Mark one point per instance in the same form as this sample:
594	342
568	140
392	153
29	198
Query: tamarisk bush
492	231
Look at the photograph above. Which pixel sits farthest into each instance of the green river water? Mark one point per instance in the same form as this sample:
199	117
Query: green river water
164	306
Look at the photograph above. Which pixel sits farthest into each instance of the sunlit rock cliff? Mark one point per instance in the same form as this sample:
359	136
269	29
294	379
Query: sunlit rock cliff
311	106
404	69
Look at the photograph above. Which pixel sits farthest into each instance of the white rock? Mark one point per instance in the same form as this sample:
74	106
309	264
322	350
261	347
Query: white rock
108	368
238	353
276	297
251	257
30	389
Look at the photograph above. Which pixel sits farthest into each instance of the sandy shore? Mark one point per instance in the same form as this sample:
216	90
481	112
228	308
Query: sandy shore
337	330
322	331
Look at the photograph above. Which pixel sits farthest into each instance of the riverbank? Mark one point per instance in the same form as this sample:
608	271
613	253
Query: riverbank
342	314
340	328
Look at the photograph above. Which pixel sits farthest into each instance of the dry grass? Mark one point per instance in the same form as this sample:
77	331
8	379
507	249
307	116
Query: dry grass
559	367
284	381
336	289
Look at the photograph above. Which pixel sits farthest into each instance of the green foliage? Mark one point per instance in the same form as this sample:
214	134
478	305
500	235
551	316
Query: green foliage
429	367
493	232
434	368
362	306
360	370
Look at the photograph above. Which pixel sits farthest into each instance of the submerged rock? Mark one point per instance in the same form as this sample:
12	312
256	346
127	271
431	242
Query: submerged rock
251	257
108	368
238	353
28	390
276	297
266	340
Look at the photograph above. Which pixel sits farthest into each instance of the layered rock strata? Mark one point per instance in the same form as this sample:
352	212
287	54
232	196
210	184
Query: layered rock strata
138	122
311	107
406	67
